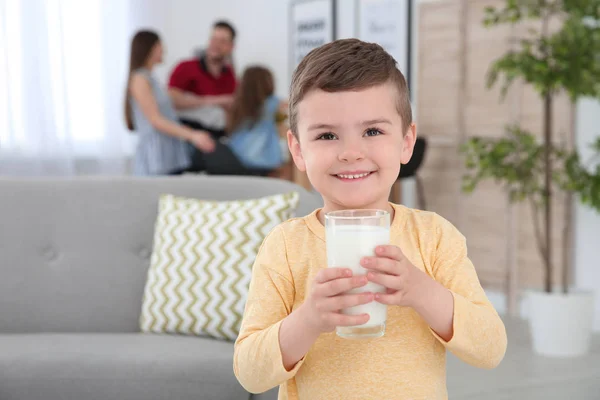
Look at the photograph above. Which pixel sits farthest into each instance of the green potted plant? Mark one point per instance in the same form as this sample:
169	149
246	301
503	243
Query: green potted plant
553	62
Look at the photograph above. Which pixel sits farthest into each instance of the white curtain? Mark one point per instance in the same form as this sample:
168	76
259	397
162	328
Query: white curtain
63	66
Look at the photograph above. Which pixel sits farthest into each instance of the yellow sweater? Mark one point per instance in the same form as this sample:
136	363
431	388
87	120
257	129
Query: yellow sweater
408	362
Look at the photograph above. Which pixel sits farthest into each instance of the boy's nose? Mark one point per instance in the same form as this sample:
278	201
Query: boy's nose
351	155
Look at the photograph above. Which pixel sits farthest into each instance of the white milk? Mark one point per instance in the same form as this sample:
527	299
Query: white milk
346	245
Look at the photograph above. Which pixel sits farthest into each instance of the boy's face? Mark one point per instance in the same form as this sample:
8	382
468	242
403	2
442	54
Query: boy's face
351	145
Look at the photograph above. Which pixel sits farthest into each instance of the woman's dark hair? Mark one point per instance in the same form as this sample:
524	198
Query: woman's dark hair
141	46
255	87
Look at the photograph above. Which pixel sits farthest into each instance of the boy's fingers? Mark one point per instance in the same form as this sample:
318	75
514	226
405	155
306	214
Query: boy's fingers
328	274
387	298
382	264
347	300
341	285
389	251
386	280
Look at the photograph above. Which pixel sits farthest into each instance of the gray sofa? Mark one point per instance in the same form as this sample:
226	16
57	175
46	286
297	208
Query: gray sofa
74	254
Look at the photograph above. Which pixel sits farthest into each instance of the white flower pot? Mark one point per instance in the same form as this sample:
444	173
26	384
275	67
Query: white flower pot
561	324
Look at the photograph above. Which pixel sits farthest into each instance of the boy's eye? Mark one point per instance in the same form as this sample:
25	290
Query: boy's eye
326	136
373	132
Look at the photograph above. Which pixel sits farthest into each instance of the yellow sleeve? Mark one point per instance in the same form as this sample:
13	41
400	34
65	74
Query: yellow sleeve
479	334
257	361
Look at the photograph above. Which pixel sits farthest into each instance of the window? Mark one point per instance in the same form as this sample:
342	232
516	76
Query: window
52	73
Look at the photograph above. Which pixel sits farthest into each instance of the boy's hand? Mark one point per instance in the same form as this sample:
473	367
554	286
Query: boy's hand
322	306
404	282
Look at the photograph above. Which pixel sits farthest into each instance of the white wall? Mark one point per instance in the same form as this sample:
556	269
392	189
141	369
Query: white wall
261	25
148	14
587	221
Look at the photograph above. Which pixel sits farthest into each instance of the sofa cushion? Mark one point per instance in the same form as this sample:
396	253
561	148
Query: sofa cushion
116	366
74	252
202	262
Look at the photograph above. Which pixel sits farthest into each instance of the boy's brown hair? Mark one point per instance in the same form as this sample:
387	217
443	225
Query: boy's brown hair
346	65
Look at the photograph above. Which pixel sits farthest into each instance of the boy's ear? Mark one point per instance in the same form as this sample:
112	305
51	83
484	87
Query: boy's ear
408	143
294	146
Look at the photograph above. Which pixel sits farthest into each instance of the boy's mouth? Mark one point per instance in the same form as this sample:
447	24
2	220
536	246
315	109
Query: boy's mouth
353	176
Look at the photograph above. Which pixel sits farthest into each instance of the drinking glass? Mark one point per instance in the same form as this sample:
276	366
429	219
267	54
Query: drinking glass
351	235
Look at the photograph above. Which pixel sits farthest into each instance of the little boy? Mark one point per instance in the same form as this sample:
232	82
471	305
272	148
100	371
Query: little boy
350	129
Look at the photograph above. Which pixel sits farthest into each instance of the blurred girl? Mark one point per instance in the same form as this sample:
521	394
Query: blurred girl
162	147
252	127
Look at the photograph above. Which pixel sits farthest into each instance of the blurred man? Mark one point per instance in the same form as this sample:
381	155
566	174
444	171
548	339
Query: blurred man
202	88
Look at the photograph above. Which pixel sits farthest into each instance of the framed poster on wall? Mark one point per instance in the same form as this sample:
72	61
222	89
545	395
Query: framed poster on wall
388	23
312	24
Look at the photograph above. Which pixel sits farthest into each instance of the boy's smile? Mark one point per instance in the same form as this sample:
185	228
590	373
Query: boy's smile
353	176
351	145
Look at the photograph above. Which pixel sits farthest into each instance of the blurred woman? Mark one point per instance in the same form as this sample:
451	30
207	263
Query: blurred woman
162	147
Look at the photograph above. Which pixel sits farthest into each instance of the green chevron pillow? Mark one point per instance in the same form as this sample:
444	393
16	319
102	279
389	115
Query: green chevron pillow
202	259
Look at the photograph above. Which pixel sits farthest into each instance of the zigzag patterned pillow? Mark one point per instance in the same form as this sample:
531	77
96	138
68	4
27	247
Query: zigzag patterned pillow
202	260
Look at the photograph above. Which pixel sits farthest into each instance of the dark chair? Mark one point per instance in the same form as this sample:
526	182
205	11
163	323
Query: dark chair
411	168
222	161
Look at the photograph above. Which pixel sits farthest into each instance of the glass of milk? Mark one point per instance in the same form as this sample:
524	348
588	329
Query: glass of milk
351	235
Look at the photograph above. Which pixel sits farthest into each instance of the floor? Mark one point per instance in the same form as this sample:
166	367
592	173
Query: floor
522	375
